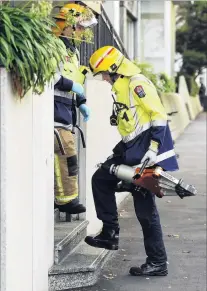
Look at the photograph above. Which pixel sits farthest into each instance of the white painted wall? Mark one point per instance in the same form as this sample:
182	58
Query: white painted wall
101	139
150	6
27	198
26	179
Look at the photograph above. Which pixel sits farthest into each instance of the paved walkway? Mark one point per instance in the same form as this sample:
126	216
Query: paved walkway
186	219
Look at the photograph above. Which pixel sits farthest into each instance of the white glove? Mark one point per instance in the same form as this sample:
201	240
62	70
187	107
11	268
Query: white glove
152	156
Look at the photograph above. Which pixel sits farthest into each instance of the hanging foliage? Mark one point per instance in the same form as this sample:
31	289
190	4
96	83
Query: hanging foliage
87	35
161	81
28	48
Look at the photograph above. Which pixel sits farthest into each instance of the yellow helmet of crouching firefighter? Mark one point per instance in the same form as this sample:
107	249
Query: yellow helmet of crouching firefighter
109	59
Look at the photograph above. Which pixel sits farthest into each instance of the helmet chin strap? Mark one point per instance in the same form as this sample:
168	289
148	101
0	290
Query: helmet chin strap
73	34
114	77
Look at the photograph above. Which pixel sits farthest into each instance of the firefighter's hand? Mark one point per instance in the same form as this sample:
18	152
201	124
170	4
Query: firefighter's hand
152	156
85	111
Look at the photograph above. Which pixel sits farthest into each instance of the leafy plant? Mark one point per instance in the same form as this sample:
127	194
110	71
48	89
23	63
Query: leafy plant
167	84
161	81
28	48
42	9
87	35
147	71
71	20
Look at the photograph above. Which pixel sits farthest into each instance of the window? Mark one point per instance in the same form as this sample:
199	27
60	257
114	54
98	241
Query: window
130	43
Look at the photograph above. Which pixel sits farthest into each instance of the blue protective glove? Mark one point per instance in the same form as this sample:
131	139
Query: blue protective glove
85	111
78	89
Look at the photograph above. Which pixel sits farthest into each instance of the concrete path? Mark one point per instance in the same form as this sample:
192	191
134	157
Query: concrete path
185	219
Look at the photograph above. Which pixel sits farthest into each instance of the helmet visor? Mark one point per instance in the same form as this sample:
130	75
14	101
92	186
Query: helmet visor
89	23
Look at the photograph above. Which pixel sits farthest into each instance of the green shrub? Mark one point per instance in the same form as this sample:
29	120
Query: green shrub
192	85
28	48
168	84
147	71
161	81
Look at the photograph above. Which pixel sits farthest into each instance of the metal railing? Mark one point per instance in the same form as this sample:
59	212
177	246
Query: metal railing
104	34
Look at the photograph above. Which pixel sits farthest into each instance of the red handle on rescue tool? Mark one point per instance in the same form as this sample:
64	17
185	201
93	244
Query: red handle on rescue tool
138	175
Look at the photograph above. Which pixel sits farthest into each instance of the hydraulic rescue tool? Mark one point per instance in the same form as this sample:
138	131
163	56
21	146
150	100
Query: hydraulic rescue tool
154	179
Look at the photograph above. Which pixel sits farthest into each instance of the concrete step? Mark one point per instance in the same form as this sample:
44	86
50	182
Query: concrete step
56	215
62	216
80	269
67	236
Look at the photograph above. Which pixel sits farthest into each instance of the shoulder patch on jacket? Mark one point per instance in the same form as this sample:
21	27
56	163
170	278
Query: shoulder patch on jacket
139	90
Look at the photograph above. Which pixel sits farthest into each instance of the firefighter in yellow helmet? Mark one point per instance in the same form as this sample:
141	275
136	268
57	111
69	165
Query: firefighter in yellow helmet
142	123
69	80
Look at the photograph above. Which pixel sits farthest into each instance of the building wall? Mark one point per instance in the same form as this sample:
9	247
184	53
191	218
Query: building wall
157	35
124	17
101	139
147	29
26	197
112	9
27	175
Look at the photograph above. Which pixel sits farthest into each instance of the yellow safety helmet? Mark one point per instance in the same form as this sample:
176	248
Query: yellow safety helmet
109	59
74	9
77	11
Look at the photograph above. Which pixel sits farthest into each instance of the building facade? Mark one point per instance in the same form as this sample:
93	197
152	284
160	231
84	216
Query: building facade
147	29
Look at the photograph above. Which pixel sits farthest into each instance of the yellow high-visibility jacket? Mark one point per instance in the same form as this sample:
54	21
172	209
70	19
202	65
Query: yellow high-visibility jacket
142	121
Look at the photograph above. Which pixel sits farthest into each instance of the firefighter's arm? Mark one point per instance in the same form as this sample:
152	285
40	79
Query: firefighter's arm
79	99
147	97
60	83
64	84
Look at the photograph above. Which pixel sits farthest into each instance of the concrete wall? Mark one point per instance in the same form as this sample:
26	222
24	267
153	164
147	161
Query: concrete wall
187	108
26	198
26	179
192	104
101	139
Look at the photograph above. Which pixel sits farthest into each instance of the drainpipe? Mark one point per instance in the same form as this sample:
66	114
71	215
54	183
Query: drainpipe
139	25
137	32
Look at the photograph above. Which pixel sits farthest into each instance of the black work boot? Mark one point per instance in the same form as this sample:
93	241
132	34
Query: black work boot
73	207
107	239
150	269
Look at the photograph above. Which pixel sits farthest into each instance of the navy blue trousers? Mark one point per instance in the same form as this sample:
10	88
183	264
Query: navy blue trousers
103	186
